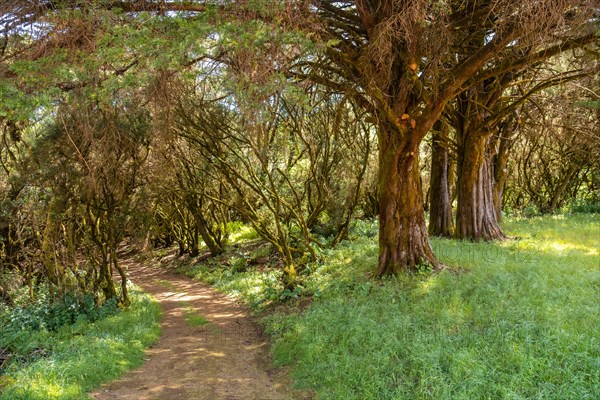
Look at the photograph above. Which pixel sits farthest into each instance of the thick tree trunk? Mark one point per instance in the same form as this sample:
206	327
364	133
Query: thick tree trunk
500	177
476	217
440	209
403	239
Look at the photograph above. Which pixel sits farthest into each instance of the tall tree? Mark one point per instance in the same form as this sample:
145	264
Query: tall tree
402	61
483	115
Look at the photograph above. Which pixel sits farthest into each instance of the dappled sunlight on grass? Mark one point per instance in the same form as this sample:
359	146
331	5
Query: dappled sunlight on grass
192	318
253	286
41	386
242	233
558	247
579	229
427	285
521	321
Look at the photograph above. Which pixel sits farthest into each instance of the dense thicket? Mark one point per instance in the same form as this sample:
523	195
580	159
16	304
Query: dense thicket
163	122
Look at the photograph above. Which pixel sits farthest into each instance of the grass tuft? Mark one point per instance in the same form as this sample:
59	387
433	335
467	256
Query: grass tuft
192	318
166	284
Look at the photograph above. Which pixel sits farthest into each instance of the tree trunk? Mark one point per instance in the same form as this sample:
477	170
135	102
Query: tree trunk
194	247
506	138
207	236
476	217
194	204
440	209
403	240
559	191
500	177
498	196
106	280
124	300
5	297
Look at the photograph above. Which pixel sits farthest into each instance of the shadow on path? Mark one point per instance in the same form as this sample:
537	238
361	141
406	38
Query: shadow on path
227	358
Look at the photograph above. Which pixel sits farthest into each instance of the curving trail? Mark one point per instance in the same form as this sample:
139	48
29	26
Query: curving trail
227	358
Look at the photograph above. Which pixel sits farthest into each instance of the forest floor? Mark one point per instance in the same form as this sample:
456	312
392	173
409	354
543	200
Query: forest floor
210	348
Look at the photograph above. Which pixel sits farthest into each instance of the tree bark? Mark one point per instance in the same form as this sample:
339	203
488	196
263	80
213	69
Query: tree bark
500	178
124	300
207	236
499	195
559	191
506	137
440	208
476	217
403	239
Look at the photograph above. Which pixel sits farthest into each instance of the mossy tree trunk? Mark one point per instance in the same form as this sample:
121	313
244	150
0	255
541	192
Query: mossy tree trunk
403	239
214	245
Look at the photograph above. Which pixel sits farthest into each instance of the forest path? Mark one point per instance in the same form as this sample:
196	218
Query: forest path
227	358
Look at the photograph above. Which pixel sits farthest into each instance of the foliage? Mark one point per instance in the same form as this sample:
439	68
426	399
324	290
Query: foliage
589	205
44	314
171	120
242	232
554	157
76	358
258	287
70	198
279	161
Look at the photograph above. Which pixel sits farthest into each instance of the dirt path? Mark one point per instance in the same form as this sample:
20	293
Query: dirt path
227	358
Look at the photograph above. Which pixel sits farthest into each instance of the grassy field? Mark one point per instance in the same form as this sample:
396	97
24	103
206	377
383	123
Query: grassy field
521	321
69	362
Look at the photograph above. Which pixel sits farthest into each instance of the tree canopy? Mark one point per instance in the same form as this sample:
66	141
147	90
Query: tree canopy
177	119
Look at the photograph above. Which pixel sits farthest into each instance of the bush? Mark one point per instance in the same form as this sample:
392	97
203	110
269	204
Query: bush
76	358
46	315
531	211
585	207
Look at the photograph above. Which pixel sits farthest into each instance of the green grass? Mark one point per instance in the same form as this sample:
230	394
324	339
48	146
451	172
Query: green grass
192	318
166	284
240	232
76	359
521	323
257	288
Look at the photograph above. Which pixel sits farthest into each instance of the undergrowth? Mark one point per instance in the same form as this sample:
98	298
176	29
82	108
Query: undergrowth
64	352
520	321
